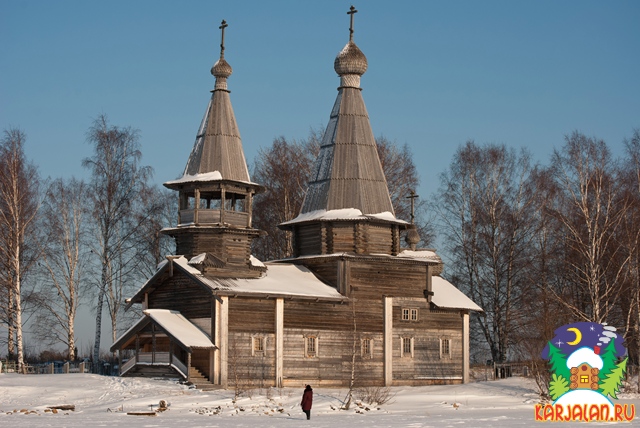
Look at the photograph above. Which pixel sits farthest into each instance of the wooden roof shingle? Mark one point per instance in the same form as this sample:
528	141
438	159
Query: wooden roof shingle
348	172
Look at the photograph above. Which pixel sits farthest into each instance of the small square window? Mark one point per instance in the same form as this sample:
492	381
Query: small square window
414	315
311	346
405	314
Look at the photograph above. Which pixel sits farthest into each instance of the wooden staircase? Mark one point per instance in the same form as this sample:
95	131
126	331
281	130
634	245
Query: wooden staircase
200	381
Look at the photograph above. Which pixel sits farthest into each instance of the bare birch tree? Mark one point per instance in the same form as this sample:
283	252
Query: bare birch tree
158	208
486	210
117	181
630	236
64	260
590	210
19	181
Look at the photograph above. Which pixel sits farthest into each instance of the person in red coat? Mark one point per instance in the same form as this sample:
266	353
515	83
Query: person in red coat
307	400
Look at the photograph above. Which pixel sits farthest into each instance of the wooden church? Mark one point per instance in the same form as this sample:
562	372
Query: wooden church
351	301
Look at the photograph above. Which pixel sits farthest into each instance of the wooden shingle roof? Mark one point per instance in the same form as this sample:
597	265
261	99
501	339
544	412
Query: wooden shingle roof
348	173
218	146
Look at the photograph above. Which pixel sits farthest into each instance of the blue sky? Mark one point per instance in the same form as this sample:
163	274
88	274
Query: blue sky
440	73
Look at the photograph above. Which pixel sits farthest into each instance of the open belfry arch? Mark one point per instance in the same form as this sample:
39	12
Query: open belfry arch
217	316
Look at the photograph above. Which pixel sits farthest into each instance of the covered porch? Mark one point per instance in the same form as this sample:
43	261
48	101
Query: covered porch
164	343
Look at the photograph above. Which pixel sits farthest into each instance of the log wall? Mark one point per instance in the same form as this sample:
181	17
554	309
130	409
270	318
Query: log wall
181	294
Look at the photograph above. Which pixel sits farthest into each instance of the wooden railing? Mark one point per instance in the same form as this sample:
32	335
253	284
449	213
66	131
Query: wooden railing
209	216
160	358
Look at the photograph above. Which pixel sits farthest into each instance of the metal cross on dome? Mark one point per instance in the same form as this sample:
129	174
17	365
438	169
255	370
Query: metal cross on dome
412	196
352	11
222	27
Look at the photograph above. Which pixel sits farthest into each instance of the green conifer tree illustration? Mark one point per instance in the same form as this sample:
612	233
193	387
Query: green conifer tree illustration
558	386
608	361
558	362
611	384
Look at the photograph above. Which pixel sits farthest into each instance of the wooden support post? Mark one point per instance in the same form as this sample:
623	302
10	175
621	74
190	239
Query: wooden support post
196	205
249	208
137	348
222	204
388	340
182	205
213	354
279	330
465	347
188	366
119	362
224	341
153	343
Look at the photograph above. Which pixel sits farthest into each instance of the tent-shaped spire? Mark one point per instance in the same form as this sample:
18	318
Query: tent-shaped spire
348	173
347	208
215	191
218	146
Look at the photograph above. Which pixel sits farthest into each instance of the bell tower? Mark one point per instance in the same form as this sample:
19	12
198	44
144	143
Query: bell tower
215	192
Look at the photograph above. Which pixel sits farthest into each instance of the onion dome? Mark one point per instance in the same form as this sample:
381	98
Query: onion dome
221	68
350	60
413	237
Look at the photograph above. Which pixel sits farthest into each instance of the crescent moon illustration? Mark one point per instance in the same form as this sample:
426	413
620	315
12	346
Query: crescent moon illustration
578	336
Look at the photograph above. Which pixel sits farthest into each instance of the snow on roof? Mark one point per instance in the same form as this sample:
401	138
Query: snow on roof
343	214
184	264
196	260
420	255
584	355
206	176
280	279
180	328
255	262
447	295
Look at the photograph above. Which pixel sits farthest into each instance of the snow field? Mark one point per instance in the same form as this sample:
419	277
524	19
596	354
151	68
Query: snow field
104	402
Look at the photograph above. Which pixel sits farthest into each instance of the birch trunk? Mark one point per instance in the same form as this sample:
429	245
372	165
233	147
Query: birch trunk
11	319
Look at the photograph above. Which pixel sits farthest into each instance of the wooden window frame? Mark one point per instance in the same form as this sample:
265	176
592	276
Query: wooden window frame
410	314
262	345
445	347
366	347
406	342
308	351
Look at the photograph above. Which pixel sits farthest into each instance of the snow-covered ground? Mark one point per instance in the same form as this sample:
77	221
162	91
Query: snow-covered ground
104	402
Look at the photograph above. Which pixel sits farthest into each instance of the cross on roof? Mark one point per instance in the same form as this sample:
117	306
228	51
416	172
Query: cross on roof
412	196
352	11
222	27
